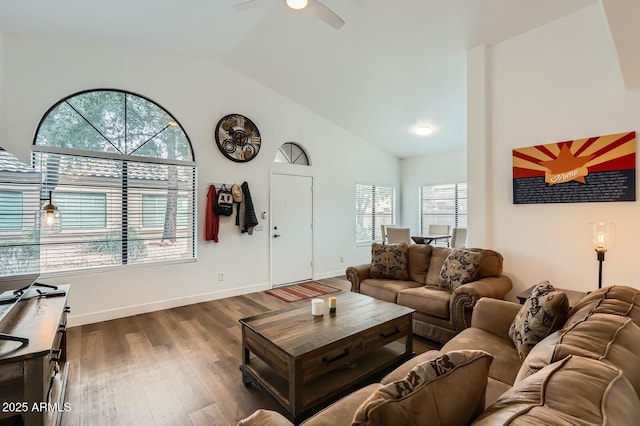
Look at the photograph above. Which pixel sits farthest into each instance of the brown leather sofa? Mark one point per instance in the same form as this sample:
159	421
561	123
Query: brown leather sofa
439	314
587	373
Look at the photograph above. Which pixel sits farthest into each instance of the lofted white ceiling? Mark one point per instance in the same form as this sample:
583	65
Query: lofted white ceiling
393	65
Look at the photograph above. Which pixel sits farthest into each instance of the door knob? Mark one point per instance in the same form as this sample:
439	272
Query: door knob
276	235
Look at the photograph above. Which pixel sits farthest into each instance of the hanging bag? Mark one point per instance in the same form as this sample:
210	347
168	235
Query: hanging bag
224	202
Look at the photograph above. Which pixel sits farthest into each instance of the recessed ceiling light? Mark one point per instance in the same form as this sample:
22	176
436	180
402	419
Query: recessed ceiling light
423	130
297	4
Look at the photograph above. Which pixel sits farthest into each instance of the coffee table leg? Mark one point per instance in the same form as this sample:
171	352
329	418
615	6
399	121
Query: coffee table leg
409	341
246	354
409	349
295	387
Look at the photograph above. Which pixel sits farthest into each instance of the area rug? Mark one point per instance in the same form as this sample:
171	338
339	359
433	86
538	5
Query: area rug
293	293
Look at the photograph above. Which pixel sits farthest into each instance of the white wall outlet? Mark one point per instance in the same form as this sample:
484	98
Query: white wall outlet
221	277
341	259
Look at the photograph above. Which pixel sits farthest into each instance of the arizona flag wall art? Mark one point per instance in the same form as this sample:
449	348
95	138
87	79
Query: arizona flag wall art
589	170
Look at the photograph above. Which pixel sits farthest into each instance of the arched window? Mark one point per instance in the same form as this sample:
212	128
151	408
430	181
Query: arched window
292	153
120	169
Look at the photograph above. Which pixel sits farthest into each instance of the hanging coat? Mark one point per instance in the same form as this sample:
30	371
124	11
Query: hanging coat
250	219
212	221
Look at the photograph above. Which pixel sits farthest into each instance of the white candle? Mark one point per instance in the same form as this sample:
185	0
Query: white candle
317	306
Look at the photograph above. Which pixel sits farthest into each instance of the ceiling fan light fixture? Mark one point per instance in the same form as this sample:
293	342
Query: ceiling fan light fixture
297	4
423	130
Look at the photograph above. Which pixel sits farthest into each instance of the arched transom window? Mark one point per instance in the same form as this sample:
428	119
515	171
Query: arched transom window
120	169
292	153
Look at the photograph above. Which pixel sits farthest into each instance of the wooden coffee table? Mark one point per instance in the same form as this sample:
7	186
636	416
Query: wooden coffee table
304	361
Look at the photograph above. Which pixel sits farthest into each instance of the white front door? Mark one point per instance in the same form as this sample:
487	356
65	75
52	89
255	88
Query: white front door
291	229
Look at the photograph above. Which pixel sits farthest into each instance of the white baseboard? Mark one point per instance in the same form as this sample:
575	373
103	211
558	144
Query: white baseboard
127	311
331	274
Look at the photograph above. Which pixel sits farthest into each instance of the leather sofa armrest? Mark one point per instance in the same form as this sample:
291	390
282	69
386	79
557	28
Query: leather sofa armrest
495	316
357	274
465	297
263	417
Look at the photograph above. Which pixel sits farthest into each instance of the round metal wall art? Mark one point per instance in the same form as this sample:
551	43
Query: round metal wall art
238	138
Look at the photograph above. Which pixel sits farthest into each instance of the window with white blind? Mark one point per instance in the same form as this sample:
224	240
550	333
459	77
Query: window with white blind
443	205
19	210
101	154
375	206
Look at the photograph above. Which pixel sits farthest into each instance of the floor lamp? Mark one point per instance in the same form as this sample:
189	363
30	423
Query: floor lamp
602	234
600	253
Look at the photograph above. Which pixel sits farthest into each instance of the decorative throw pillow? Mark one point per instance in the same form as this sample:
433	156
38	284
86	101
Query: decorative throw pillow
544	312
425	393
389	261
460	267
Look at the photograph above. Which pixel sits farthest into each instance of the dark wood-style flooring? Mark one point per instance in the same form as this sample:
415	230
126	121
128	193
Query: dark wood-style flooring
173	367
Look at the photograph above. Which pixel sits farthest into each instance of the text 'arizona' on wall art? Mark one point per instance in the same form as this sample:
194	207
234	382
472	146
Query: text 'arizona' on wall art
597	169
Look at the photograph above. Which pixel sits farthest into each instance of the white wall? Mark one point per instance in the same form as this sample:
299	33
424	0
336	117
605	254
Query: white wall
558	82
433	169
1	77
479	188
198	92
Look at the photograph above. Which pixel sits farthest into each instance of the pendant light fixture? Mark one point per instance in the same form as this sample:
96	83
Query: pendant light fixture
50	214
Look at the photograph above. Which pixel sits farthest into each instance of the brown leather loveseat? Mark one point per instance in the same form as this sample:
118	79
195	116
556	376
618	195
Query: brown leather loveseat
439	313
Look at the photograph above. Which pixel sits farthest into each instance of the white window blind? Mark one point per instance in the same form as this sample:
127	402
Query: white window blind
375	206
19	210
443	205
105	227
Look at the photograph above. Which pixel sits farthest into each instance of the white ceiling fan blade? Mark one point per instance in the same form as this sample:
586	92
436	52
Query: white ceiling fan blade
327	15
251	4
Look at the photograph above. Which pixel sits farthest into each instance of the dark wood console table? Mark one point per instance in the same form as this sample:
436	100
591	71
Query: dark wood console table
33	376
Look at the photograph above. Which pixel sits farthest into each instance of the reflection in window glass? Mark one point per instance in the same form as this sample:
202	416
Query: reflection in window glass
81	210
154	209
10	210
